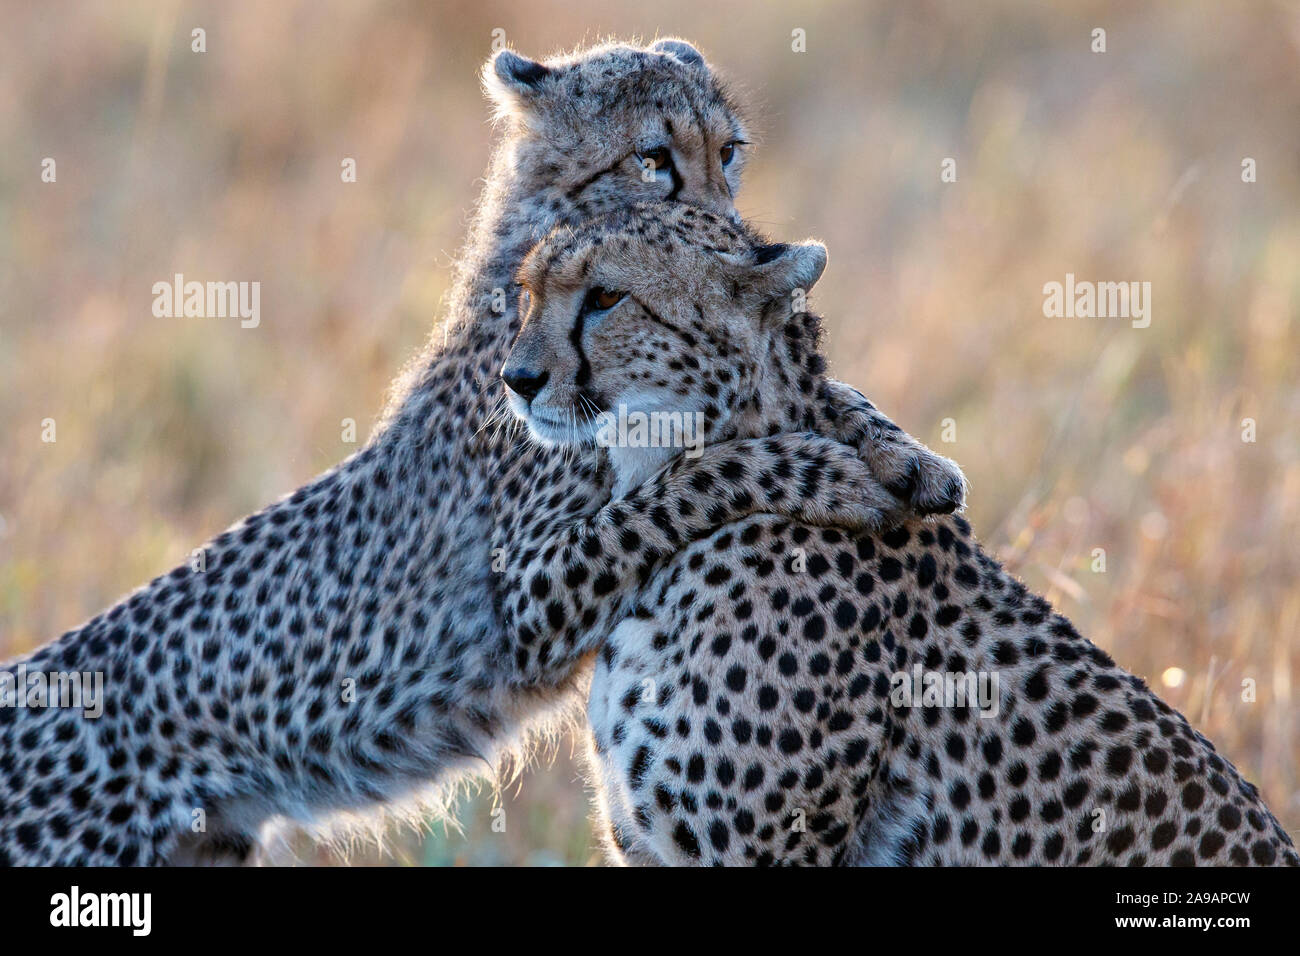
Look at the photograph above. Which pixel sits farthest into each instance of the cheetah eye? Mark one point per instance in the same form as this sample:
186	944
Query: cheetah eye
728	151
656	159
599	299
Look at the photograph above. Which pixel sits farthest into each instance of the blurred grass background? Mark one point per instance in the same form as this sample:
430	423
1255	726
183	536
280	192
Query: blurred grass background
1076	434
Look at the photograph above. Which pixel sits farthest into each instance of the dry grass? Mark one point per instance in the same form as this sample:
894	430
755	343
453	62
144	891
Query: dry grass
1077	434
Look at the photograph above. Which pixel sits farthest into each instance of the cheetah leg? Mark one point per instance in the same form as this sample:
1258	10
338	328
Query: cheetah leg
572	590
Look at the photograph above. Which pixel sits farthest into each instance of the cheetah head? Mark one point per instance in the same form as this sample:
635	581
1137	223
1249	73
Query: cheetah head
614	124
650	331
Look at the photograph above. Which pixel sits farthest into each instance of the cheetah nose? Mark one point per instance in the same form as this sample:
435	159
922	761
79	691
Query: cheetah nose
525	382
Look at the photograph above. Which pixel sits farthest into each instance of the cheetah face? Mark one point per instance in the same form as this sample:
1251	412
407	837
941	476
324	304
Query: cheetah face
662	315
618	124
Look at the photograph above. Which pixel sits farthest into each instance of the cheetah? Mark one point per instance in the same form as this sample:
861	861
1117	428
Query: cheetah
344	649
766	697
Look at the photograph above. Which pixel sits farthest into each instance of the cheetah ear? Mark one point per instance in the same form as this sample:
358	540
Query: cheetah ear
512	80
782	268
680	49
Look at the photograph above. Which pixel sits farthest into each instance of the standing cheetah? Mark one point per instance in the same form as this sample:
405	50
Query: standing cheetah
343	648
756	704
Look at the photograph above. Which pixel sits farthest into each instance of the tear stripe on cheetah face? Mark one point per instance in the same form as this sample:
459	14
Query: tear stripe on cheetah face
224	686
770	703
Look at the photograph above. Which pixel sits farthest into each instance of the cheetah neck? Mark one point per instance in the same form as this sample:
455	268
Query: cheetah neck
454	387
786	383
509	220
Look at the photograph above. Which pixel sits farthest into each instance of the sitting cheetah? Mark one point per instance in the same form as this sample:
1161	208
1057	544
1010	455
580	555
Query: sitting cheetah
342	649
755	706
